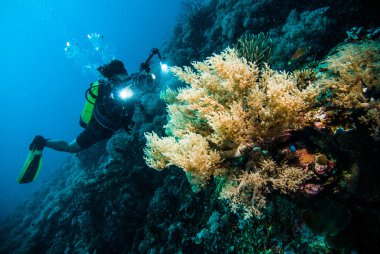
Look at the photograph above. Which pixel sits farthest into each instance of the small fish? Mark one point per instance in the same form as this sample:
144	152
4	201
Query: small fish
299	53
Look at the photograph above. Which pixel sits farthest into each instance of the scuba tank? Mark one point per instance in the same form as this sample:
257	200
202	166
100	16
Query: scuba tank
88	109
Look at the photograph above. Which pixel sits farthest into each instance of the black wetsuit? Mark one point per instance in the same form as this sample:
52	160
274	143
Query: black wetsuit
110	114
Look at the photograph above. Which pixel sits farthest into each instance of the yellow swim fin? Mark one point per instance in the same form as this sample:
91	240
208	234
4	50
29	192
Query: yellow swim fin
31	168
33	163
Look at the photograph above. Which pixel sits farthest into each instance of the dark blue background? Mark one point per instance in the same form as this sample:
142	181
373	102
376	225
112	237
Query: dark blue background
42	89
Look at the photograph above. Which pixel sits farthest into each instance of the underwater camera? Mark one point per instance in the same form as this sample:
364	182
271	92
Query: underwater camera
145	66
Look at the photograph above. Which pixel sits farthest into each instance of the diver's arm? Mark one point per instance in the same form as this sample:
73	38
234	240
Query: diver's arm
63	146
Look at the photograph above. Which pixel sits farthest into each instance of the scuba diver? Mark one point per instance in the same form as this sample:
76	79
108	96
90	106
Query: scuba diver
109	107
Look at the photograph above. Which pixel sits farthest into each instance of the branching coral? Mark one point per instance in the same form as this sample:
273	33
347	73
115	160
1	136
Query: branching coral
235	101
229	102
351	73
304	77
192	153
249	191
372	119
231	109
351	78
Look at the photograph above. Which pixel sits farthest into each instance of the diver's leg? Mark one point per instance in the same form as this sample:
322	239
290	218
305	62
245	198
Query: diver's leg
64	146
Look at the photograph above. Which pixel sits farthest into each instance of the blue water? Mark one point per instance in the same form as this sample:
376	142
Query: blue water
42	89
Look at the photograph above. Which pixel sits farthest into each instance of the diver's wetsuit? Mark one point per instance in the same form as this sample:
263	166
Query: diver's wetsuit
110	114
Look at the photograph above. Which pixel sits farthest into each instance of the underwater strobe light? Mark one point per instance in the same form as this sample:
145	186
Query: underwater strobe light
164	67
125	93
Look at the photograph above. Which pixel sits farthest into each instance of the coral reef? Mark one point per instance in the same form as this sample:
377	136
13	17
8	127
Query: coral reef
83	209
350	80
314	28
255	48
259	160
251	189
230	102
118	144
246	116
299	36
353	75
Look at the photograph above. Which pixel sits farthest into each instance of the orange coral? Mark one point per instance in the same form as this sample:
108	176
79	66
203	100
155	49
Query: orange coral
304	157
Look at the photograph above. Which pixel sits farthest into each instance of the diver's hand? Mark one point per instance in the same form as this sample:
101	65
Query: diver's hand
38	143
